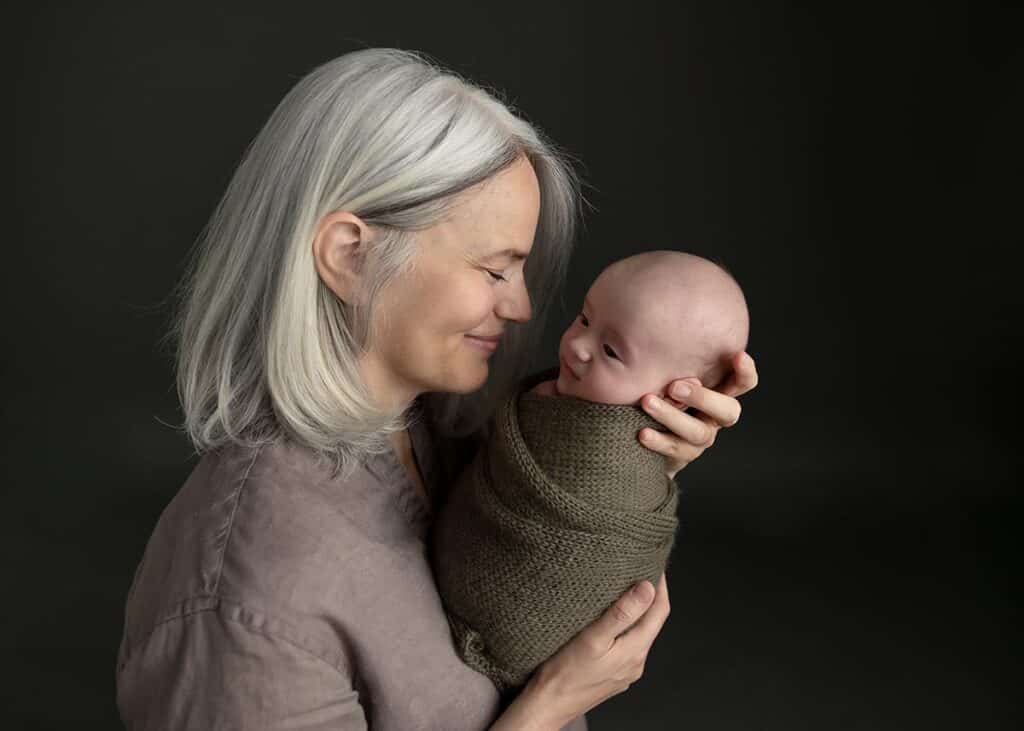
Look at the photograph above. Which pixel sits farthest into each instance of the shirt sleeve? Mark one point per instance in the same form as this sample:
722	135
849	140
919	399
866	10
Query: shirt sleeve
209	671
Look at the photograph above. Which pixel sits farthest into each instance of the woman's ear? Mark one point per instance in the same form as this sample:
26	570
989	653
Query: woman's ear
339	248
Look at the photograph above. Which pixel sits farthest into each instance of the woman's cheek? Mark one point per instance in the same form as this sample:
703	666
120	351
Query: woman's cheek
470	302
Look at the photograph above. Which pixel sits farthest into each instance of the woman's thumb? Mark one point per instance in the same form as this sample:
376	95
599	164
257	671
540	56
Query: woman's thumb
621	615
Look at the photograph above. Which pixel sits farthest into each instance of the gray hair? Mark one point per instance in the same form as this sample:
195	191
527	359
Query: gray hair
265	349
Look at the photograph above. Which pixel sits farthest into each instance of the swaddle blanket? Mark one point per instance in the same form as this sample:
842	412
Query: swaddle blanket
561	511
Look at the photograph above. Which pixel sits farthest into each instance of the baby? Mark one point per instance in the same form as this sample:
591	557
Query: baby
562	509
647	320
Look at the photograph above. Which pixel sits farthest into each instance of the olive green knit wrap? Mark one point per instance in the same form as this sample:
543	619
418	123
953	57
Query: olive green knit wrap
560	512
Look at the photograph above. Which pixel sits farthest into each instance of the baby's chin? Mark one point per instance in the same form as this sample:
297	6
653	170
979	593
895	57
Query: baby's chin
574	389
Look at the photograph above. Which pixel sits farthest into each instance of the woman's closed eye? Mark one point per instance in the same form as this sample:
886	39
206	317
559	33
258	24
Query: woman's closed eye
497	275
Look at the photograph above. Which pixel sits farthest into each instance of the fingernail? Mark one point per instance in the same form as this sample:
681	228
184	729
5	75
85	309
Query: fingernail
681	391
643	591
653	402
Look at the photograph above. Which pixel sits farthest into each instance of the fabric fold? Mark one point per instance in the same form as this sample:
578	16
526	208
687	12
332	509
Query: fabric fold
559	513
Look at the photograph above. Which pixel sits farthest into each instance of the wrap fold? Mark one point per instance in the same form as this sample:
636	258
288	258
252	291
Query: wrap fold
560	512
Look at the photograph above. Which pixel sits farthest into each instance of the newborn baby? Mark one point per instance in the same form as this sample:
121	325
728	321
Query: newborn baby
647	320
562	509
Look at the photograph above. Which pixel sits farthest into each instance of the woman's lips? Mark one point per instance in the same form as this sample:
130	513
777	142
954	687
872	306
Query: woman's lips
484	344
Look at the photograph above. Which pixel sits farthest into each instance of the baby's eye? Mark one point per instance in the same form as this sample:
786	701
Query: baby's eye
583	319
610	353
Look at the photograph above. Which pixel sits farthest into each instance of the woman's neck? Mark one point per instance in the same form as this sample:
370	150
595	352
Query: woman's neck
403	449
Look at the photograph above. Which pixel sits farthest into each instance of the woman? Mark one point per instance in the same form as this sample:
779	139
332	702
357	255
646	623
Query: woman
337	365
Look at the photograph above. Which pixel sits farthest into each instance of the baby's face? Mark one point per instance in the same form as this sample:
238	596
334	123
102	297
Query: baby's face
637	332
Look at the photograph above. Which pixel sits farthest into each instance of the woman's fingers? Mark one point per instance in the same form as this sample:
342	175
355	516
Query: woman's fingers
724	410
621	615
721	405
690	434
743	377
639	638
688	427
687	439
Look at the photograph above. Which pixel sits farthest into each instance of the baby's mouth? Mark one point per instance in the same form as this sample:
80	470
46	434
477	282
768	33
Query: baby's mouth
564	368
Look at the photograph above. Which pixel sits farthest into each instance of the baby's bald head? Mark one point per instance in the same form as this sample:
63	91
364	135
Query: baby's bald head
693	310
648	320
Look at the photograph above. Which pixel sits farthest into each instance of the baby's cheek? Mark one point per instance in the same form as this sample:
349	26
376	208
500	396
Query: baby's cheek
613	388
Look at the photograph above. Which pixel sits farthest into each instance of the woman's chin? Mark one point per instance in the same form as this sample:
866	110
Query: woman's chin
469	379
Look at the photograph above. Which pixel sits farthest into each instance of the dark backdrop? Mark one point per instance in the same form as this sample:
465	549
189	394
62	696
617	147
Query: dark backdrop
847	550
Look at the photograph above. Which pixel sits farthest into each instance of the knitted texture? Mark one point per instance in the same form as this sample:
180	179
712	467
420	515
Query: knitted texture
560	512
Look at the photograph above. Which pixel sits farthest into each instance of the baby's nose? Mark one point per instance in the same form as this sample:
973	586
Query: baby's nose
580	352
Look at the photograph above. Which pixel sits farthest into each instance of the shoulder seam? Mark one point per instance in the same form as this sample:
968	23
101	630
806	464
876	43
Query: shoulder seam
231	519
217	604
345	671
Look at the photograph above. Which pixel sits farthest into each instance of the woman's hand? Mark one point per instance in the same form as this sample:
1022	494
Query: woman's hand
690	434
602	660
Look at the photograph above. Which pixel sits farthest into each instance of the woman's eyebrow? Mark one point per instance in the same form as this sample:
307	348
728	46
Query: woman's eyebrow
510	253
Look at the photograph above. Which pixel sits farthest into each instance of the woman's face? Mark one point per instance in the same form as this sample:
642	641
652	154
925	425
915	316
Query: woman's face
466	281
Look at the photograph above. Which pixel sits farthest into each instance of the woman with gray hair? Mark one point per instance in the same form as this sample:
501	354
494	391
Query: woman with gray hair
357	306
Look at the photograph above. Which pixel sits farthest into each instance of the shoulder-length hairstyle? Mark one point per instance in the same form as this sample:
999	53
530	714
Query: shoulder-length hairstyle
264	348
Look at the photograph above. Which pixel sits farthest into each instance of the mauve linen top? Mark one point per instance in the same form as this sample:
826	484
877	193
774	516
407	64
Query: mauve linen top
271	596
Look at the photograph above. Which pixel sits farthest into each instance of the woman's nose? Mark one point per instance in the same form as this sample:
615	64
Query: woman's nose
516	305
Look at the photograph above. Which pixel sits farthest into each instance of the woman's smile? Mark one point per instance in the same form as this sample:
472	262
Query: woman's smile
486	345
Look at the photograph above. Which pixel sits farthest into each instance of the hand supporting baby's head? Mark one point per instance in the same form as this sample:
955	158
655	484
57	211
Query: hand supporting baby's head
648	320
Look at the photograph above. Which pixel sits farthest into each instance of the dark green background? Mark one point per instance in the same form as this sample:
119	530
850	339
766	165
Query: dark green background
848	550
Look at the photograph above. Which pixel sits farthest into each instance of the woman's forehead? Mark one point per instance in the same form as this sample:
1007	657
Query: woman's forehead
507	203
488	239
